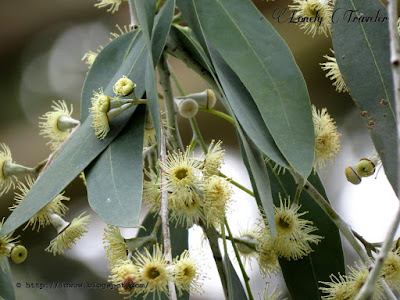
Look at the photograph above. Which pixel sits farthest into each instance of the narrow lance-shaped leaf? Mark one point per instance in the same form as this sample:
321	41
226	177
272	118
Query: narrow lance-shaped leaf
362	53
83	146
6	283
246	111
115	179
162	26
263	62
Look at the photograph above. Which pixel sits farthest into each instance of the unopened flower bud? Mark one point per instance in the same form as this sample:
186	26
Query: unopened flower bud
188	108
124	86
365	167
205	99
352	176
18	254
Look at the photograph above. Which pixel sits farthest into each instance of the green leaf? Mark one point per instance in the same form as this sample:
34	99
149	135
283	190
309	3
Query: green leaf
121	57
259	178
190	45
161	30
363	55
6	282
146	12
246	110
265	65
188	10
236	291
114	179
327	257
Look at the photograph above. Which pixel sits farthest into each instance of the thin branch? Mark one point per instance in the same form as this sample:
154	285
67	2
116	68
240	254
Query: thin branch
212	236
219	114
245	276
165	82
132	13
164	213
237	184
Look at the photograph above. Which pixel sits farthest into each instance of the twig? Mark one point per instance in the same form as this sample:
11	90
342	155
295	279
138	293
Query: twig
219	114
164	213
367	245
212	236
132	12
173	130
245	276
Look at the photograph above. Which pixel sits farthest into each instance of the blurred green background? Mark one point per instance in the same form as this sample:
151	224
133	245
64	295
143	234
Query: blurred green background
42	44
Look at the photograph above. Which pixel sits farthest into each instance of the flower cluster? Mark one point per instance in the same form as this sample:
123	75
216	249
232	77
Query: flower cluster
150	273
195	191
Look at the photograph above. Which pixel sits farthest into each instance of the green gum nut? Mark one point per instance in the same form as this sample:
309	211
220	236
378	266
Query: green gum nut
352	176
18	254
365	167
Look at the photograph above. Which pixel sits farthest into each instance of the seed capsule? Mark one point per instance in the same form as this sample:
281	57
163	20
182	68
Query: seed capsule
365	167
352	176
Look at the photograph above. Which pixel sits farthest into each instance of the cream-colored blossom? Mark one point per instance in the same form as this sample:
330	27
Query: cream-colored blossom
68	234
334	73
114	5
6	181
115	245
101	104
153	271
293	233
217	194
123	274
213	160
187	275
327	138
42	217
308	10
50	124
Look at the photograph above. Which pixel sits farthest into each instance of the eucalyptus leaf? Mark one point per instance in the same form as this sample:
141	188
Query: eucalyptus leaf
145	10
327	257
370	82
246	110
162	26
263	62
259	178
236	287
188	10
6	282
115	178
